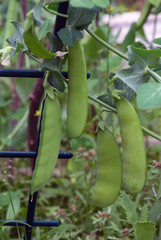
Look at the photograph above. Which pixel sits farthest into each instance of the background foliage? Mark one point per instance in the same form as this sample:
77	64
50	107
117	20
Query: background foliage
67	196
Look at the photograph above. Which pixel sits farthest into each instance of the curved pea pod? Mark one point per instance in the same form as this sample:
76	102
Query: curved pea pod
49	143
109	170
134	157
31	40
77	104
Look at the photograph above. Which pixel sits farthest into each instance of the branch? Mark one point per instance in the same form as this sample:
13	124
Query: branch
152	134
107	45
55	12
144	14
153	74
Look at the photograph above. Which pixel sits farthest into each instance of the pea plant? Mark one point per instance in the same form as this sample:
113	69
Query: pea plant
105	120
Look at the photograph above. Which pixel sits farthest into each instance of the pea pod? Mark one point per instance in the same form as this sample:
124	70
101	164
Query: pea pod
134	157
31	40
144	230
77	91
109	170
49	143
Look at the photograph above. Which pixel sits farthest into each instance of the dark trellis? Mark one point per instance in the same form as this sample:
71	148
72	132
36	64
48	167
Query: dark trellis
18	154
60	22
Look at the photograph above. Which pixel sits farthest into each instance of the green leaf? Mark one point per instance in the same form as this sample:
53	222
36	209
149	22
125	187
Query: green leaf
141	34
144	230
24	87
156	148
93	47
133	76
5	198
56	44
101	3
53	5
56	80
157	10
75	165
157	41
107	98
159	189
149	96
130	38
61	229
50	192
101	125
80	17
127	92
16	221
155	3
144	57
46	27
82	198
54	63
13	209
4	103
144	213
36	12
129	207
19	113
109	63
154	212
92	82
81	4
86	141
70	35
17	41
18	136
57	1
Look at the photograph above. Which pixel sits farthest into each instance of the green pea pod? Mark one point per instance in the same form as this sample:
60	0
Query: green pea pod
77	91
31	40
109	170
134	157
144	230
49	143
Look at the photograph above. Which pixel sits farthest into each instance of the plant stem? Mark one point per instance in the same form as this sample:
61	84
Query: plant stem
35	100
144	14
18	126
24	7
107	45
153	74
55	12
102	103
152	134
34	58
13	209
16	129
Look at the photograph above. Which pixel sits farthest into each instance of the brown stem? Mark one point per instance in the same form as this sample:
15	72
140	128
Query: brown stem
24	7
98	234
37	94
35	100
